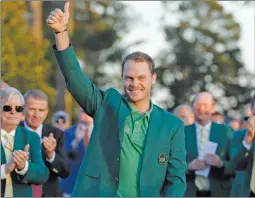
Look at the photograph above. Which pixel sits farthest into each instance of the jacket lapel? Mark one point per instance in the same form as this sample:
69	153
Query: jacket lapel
215	135
3	157
193	140
19	139
45	131
153	134
124	111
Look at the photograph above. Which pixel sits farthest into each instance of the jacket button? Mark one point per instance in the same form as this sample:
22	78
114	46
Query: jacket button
116	179
118	159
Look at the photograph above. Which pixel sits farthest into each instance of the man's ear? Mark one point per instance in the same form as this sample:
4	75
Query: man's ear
154	78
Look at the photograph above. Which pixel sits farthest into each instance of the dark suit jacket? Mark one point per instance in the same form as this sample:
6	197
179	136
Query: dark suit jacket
59	167
37	171
99	171
220	178
243	161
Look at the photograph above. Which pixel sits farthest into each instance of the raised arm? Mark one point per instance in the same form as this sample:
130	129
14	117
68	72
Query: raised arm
57	21
82	89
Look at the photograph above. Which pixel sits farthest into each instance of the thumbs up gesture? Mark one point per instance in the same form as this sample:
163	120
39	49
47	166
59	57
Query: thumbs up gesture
20	157
58	20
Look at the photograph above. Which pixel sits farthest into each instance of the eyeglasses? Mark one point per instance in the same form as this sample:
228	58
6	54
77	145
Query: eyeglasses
8	108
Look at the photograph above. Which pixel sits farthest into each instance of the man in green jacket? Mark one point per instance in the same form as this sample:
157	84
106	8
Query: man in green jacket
243	156
136	148
21	160
219	179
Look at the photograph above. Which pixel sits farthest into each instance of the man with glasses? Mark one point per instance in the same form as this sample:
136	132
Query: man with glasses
21	159
218	182
243	156
52	140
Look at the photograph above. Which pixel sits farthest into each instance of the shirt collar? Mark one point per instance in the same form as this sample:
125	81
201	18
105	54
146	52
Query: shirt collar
147	114
12	133
207	126
38	130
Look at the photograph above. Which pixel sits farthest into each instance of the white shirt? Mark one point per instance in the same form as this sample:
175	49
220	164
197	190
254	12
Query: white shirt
39	132
3	140
198	132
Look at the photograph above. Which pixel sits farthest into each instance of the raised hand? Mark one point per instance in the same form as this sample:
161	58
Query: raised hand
10	166
49	144
250	135
58	20
20	157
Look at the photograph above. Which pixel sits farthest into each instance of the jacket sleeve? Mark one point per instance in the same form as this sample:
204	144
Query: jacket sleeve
239	154
88	96
175	185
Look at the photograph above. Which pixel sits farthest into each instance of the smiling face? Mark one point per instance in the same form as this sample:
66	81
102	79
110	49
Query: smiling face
137	81
204	107
36	112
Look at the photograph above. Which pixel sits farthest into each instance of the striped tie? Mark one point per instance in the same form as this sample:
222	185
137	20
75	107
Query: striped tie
252	184
8	152
201	182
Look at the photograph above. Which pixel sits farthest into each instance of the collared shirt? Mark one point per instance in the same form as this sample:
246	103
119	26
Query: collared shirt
4	142
38	130
135	130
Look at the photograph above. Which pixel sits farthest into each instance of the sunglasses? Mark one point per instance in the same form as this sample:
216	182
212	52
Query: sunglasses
8	108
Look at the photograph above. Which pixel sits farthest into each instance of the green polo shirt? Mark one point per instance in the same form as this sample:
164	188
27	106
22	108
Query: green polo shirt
135	130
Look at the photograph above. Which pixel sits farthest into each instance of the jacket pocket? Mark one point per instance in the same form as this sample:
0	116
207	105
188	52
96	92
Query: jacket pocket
94	173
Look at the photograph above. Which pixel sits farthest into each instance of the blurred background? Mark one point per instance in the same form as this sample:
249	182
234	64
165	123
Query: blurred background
197	46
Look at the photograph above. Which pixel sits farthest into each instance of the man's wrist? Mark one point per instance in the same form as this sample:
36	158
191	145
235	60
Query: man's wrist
60	31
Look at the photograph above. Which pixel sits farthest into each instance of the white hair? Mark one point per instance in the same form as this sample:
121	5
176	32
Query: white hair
9	92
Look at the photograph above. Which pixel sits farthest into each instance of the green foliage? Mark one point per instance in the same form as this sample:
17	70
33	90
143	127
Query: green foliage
203	55
23	59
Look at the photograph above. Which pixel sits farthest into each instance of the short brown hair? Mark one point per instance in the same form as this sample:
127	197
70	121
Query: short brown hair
139	57
36	94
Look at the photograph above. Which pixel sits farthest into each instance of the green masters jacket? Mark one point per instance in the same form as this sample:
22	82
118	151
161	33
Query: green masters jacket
243	160
37	172
220	178
164	160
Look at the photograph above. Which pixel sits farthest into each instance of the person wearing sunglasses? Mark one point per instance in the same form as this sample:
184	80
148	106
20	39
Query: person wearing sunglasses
52	140
21	159
243	156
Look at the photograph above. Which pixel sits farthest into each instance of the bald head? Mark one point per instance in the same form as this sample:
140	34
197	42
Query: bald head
205	96
204	107
185	113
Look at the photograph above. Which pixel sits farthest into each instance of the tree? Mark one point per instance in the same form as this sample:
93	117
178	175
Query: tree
23	58
203	55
